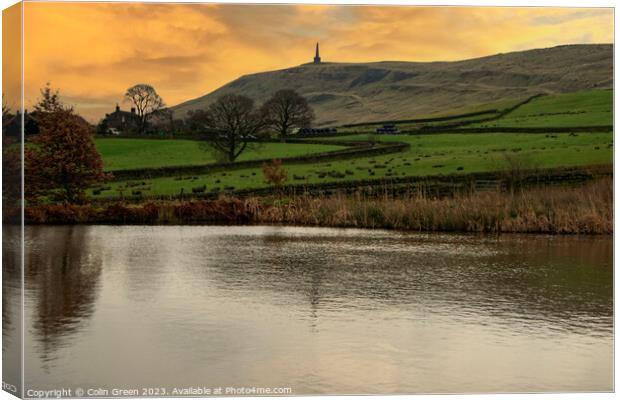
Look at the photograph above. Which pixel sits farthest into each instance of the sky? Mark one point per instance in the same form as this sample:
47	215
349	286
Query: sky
92	52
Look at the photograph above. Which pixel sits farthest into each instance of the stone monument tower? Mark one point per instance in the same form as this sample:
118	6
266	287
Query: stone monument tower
317	58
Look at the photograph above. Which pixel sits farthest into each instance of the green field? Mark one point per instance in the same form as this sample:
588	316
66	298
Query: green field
429	155
587	108
119	154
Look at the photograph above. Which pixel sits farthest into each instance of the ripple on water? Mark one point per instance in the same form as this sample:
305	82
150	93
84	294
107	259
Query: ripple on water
321	310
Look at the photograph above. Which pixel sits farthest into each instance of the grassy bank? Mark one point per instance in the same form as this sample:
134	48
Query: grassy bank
587	209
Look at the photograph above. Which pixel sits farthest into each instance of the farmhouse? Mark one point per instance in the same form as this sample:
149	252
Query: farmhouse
120	121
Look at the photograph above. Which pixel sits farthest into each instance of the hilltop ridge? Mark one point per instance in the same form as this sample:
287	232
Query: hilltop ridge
343	93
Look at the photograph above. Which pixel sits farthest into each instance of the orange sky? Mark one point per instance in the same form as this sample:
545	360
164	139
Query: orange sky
92	52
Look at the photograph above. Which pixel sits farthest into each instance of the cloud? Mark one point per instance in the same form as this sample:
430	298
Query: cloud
11	56
93	52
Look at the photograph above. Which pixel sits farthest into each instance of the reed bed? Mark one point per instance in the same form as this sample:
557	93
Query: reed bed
586	209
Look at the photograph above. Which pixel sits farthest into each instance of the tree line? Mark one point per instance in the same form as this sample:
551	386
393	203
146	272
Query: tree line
232	121
228	124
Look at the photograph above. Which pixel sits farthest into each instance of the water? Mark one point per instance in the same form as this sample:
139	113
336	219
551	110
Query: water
316	310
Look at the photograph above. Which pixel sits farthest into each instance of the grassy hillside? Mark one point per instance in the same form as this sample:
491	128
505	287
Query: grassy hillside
428	155
351	93
584	108
578	109
489	110
119	154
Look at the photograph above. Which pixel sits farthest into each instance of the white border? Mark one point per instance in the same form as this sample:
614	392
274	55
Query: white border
505	3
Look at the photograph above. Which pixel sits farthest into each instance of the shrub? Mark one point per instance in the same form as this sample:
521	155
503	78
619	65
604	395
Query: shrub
336	174
199	189
274	173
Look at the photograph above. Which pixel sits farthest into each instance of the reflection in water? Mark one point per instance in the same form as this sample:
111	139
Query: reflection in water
62	274
317	310
11	308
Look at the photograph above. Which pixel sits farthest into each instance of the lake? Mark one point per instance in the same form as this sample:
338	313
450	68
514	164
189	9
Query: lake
319	311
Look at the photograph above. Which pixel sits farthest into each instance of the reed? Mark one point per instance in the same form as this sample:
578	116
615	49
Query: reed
583	209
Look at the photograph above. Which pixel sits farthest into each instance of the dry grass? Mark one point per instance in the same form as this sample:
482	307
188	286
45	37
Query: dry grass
585	209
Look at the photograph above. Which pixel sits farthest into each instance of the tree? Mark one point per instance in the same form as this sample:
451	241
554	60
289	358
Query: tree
11	169
11	173
198	121
63	160
11	161
163	122
229	124
147	102
50	101
514	168
287	110
102	128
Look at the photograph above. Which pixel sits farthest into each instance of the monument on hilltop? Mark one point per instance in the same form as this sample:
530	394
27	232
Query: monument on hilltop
317	58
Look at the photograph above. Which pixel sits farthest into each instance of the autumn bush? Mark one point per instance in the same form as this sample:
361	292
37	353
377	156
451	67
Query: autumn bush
274	173
62	160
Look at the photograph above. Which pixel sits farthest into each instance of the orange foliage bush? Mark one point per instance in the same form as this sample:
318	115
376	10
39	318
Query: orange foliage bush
274	173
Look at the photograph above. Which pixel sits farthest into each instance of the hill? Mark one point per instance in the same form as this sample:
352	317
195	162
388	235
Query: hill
343	93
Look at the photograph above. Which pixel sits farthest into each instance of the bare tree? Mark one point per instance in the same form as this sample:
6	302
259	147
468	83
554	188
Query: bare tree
198	121
287	110
162	120
515	168
229	124
146	100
